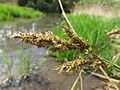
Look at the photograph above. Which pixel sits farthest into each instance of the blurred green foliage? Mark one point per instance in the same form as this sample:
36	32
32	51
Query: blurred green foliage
48	5
9	12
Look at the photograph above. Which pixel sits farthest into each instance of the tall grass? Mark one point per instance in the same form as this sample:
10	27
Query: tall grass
25	68
66	55
9	12
9	67
94	30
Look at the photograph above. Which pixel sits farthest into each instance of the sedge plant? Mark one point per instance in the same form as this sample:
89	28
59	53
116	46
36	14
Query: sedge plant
25	67
9	67
92	59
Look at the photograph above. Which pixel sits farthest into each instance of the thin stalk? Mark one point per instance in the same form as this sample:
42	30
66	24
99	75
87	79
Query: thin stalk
81	83
65	17
102	70
79	77
104	77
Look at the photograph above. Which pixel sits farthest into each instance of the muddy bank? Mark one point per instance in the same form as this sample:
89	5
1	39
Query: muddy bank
46	78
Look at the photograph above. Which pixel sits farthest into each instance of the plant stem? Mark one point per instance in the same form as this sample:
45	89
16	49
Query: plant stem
81	83
64	15
104	77
79	77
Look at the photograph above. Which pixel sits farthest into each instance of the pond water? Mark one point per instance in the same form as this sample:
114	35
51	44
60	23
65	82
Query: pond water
45	77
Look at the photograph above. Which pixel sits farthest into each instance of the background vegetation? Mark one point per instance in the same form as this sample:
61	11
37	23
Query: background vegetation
48	5
9	12
52	5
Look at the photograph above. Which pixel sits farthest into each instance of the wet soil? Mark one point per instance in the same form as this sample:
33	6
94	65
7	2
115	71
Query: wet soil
46	78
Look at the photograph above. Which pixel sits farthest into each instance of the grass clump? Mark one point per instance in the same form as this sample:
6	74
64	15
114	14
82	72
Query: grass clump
25	67
94	30
66	55
9	65
9	12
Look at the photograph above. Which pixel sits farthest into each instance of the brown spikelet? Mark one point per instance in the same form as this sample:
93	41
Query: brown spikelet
80	62
49	39
40	40
69	33
97	61
78	41
113	32
74	65
46	40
